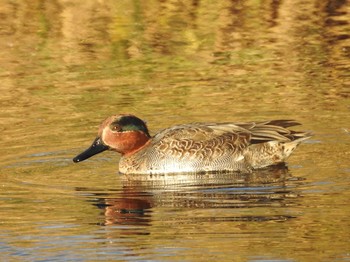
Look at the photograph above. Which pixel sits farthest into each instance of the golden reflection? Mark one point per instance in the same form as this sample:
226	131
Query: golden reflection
66	64
140	195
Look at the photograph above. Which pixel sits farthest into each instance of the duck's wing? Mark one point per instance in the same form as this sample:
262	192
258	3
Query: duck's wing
198	132
235	134
209	140
275	130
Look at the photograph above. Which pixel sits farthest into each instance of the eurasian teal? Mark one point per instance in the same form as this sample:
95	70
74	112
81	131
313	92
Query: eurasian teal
195	147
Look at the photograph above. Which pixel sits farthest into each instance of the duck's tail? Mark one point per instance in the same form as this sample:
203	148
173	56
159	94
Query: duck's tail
289	147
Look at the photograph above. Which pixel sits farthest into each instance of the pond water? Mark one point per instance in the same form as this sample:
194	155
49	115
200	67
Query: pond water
66	65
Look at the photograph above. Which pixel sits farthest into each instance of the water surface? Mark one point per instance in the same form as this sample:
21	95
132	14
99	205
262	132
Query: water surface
66	65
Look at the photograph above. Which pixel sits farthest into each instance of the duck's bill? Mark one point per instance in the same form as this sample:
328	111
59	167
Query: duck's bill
96	147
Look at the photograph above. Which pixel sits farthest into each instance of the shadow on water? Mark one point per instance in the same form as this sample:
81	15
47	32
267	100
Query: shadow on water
134	203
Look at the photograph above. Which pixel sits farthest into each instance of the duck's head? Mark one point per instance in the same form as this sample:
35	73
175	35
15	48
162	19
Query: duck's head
122	133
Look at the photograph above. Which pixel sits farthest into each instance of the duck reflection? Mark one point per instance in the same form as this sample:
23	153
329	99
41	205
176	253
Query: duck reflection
139	196
125	211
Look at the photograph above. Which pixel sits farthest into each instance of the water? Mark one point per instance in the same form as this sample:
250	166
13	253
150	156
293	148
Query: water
65	66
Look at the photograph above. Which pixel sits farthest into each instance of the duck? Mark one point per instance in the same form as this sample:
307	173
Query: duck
195	147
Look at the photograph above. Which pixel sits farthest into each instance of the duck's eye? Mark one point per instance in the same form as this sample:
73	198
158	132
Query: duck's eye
115	127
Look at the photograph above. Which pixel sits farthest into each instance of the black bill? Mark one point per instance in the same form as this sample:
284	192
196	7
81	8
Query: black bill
96	147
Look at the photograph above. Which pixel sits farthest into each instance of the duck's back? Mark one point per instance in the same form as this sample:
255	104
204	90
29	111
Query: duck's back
199	147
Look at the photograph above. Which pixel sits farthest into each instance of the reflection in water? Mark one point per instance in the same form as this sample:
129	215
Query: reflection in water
126	211
133	206
66	64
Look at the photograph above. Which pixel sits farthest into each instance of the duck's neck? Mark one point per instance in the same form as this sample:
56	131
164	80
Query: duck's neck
133	142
